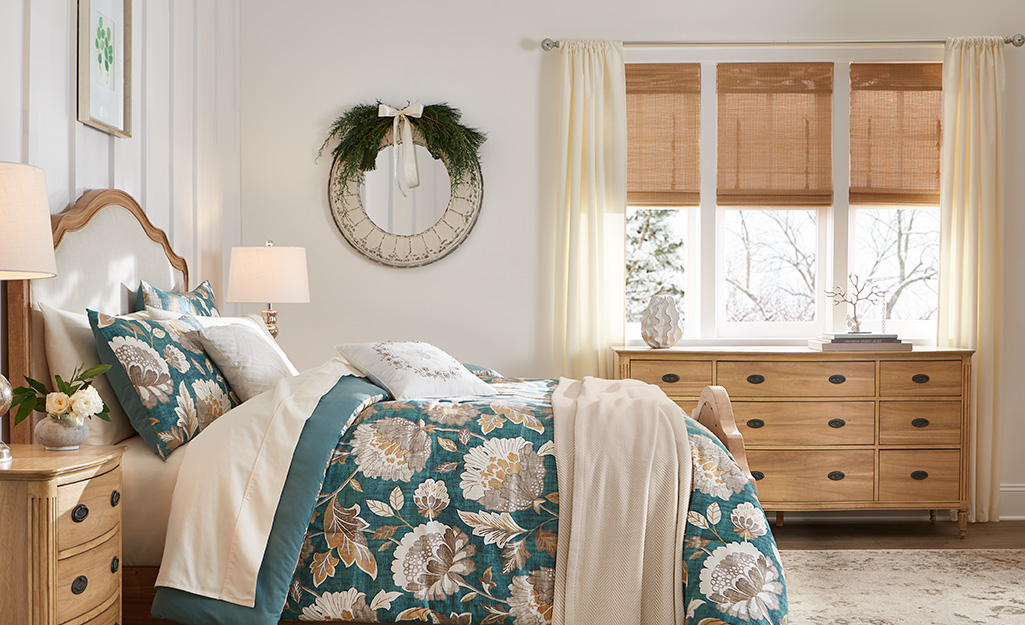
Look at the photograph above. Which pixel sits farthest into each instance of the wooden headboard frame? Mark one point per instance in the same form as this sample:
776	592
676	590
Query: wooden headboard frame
20	323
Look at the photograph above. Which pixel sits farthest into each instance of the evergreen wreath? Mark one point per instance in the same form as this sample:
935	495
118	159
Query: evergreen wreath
360	130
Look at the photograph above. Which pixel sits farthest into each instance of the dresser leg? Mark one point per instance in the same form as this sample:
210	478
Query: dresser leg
962	522
932	516
779	519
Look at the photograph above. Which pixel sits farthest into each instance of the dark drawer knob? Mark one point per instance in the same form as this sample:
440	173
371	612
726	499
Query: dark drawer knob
670	378
756	378
836	476
79	585
837	379
755	423
919	475
758	475
837	423
79	513
115	497
920	422
919	378
115	564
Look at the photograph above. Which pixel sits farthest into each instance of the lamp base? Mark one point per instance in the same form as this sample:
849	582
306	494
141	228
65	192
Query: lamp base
5	403
270	319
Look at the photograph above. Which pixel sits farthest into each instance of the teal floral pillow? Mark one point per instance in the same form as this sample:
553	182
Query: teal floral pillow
166	383
200	301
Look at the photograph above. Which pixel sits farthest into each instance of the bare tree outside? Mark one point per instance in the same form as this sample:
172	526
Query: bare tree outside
770	265
655	244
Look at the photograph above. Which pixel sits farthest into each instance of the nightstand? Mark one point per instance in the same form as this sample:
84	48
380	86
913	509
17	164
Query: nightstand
60	554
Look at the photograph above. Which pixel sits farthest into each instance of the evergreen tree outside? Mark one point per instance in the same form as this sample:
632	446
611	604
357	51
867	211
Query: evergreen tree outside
654	259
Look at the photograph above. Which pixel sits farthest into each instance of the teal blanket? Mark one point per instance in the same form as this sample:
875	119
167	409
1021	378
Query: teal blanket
446	511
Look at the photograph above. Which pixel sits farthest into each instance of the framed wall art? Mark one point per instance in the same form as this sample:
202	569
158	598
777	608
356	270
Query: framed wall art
105	65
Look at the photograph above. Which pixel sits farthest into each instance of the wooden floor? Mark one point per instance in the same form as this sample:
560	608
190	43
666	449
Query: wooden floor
898	535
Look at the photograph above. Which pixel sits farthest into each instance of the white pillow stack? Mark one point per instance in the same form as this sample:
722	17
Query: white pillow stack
251	362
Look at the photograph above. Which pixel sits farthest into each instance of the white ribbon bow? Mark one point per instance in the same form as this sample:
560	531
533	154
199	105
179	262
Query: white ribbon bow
410	169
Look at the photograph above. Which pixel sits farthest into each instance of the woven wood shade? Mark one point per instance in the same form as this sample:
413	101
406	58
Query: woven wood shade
775	134
896	112
663	112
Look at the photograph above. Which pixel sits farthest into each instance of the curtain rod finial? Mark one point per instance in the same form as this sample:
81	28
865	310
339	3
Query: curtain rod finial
549	44
1016	40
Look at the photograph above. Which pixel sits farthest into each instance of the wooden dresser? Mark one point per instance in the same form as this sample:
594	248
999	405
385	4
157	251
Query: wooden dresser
61	549
834	430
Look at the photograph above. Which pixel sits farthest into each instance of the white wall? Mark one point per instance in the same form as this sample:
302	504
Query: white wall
182	162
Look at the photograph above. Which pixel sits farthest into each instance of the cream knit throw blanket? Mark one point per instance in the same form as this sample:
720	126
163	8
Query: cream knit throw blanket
623	460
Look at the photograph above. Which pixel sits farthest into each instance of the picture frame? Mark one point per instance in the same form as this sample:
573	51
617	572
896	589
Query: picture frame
105	65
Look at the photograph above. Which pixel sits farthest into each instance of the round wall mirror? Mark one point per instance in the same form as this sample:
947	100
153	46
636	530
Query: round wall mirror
418	229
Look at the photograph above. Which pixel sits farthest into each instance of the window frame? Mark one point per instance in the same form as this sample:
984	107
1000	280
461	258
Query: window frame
836	254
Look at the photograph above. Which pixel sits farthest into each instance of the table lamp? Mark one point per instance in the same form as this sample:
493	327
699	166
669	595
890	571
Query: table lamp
268	274
26	242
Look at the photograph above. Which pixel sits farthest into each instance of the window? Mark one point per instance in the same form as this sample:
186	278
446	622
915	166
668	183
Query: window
777	181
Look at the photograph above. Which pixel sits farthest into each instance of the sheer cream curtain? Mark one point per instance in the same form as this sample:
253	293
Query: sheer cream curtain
971	278
590	231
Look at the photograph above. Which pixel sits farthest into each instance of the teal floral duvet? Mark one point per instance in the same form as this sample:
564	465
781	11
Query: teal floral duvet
447	511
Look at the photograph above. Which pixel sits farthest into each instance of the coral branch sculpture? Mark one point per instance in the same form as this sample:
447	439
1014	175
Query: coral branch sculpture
861	292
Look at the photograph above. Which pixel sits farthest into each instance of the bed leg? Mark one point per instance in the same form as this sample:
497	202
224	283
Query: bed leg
779	519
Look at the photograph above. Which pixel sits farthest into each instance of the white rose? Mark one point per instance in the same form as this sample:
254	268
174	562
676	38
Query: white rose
57	404
86	402
76	418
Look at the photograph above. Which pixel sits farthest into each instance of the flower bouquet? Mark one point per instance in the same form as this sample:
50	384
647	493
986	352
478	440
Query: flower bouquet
68	407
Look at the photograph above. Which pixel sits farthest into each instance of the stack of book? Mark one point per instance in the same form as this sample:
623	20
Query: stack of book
859	342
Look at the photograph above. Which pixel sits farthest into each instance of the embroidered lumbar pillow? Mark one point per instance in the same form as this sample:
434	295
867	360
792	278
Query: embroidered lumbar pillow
413	370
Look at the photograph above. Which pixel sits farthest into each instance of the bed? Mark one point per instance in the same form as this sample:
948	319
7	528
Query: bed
495	573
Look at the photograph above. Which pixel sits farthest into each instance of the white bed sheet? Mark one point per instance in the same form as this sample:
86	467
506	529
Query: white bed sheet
147	483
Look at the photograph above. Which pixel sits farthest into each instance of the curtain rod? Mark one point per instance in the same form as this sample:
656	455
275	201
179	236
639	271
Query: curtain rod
1015	40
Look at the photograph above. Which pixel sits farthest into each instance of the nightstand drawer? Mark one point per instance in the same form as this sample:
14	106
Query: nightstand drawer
676	378
917	378
920	423
919	475
796	379
820	476
86	580
805	423
110	616
88	509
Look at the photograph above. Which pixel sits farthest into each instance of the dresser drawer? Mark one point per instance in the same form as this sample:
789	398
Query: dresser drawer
88	509
110	616
918	378
919	475
920	423
676	378
95	573
796	378
812	476
805	423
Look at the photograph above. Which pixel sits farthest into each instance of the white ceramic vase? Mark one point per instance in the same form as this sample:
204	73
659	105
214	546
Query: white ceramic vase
660	324
60	434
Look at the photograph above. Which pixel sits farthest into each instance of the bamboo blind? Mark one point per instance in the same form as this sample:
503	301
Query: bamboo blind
775	134
896	111
663	103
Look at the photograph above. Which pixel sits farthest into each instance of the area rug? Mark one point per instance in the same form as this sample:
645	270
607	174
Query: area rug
906	586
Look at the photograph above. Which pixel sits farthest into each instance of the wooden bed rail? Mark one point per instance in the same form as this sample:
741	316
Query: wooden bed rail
715	412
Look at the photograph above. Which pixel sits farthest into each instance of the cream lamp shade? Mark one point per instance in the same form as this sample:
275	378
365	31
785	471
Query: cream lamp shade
268	274
26	239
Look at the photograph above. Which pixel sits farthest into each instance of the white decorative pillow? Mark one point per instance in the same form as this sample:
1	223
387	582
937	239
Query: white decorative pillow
249	361
414	370
69	342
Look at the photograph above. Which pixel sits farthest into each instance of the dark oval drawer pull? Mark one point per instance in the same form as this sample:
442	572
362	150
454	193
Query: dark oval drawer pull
115	497
919	378
836	476
79	513
837	379
755	423
670	378
758	475
919	475
79	585
115	564
756	379
920	422
837	423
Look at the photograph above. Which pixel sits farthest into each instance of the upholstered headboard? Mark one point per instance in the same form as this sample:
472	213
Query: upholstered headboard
104	246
